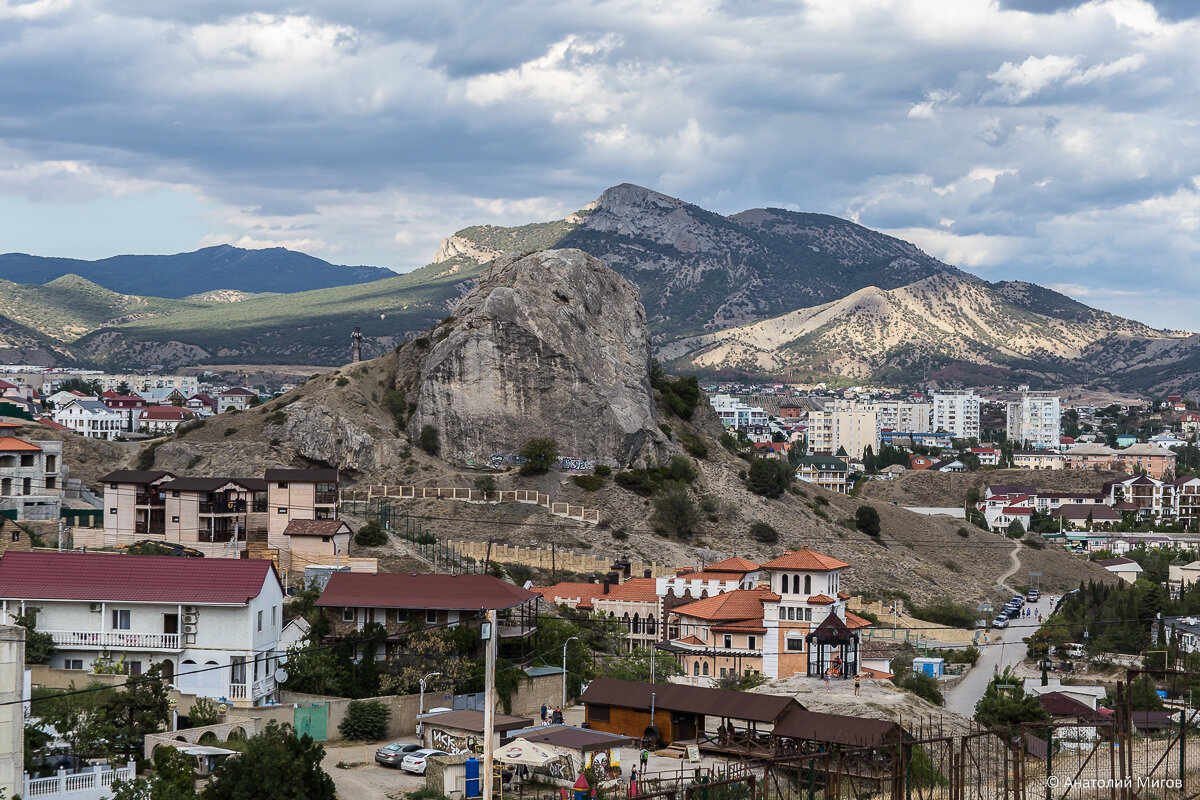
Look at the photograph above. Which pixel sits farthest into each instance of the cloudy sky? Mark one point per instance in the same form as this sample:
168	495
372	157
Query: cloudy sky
1034	139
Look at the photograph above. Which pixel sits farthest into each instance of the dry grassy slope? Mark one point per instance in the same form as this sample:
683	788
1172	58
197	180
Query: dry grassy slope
86	459
924	488
920	555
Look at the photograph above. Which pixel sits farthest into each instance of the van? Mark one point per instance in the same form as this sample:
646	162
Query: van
1074	650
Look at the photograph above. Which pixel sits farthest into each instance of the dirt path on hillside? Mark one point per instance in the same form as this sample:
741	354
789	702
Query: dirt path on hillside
1015	557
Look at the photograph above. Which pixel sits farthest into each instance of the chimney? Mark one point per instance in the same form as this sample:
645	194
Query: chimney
647	574
606	584
681	571
356	345
614	578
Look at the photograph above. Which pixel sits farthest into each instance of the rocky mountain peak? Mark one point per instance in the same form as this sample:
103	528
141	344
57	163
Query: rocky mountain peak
552	344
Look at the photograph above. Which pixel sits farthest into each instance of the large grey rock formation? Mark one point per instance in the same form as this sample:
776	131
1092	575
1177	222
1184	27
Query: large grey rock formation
552	344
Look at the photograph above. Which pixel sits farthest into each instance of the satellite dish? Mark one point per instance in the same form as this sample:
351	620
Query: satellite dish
281	675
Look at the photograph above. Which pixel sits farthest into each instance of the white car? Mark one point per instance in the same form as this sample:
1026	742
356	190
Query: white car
415	762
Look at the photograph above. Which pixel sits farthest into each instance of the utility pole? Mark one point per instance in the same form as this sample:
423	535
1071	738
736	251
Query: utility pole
489	713
564	680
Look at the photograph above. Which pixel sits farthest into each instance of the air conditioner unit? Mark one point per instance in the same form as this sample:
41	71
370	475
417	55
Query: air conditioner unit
94	607
189	629
189	609
189	619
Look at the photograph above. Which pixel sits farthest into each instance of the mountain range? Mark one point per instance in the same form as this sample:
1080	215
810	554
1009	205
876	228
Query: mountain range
763	292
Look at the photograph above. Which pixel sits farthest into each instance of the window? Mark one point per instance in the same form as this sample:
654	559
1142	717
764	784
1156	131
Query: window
174	494
795	645
696	669
597	713
174	519
808	584
791	613
783	613
722	672
430	616
120	619
112	486
795	584
705	670
272	616
347	615
752	642
281	510
135	667
728	641
73	663
112	511
260	616
282	485
808	615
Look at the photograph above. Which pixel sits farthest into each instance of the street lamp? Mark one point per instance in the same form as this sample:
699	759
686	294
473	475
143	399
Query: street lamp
564	682
420	722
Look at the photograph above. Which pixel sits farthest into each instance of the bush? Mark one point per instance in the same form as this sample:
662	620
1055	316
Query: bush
675	510
487	485
680	396
762	532
371	534
665	428
428	440
694	445
963	533
866	519
603	470
540	454
203	712
945	611
589	483
769	477
922	686
342	380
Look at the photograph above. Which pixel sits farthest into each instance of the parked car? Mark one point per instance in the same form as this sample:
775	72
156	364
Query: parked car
1018	599
1000	622
415	761
390	755
1033	596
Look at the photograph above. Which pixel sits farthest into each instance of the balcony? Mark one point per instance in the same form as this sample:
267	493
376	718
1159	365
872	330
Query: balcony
328	498
150	499
263	687
157	527
224	507
116	640
237	691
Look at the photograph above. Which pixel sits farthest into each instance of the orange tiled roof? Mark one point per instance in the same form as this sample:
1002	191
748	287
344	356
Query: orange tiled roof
635	589
805	560
844	595
734	564
707	576
740	604
854	621
820	599
690	640
742	626
877	674
586	592
10	444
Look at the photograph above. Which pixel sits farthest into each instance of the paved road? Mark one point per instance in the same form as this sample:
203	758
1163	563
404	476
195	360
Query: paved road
993	659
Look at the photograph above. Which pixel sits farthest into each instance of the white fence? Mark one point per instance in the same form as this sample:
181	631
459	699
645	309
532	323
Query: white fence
94	784
116	639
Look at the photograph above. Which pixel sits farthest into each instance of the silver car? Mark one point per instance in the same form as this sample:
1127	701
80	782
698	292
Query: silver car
390	755
415	761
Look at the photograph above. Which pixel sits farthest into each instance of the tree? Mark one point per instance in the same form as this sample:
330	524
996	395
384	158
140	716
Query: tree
636	666
1004	703
739	682
425	651
762	532
315	670
173	779
365	721
777	437
539	454
1015	529
127	716
371	534
428	440
769	477
38	646
487	485
203	712
1144	695
675	510
866	519
276	763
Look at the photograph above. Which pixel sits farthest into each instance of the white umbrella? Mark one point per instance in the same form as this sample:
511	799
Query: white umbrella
527	753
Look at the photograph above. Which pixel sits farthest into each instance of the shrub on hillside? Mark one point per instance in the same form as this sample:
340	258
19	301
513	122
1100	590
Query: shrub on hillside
866	519
365	721
675	511
428	440
769	477
371	534
694	445
540	454
589	483
762	532
922	686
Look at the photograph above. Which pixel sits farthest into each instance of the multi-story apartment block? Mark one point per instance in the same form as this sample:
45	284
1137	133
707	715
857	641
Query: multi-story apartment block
902	415
843	425
134	503
128	406
235	399
1090	455
212	624
31	477
187	384
736	414
827	472
215	510
1036	418
956	413
1038	459
1157	462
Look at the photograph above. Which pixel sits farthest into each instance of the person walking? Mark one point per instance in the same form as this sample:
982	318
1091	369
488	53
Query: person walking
633	776
828	678
857	685
544	711
645	758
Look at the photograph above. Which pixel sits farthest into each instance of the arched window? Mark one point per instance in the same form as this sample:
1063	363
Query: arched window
783	584
637	623
808	584
696	669
625	622
795	584
651	625
706	668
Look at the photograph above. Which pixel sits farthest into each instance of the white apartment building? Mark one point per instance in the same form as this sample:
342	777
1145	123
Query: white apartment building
213	624
90	418
188	385
956	413
736	414
843	424
904	416
1035	418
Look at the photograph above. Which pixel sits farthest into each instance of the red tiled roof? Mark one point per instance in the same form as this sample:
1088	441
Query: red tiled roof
1016	510
738	604
314	527
877	674
131	579
166	412
690	640
805	560
734	564
49	423
237	391
844	595
820	599
436	591
9	444
854	621
633	590
742	626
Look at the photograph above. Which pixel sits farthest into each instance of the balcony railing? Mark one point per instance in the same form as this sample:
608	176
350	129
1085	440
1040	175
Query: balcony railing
237	691
263	687
224	507
158	526
127	640
326	498
150	499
